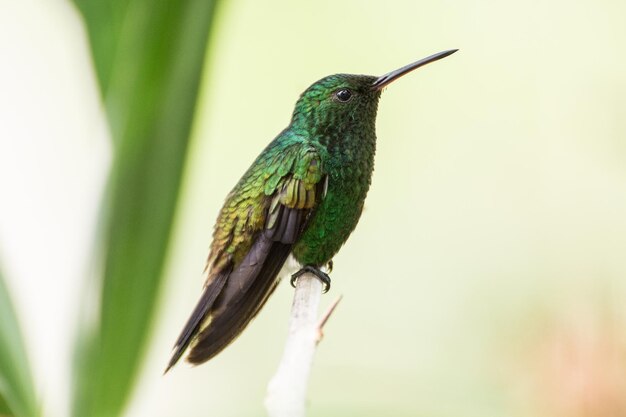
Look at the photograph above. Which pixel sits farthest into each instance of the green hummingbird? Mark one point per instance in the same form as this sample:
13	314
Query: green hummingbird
302	196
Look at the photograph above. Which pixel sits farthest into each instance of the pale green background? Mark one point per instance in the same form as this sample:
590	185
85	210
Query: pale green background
487	275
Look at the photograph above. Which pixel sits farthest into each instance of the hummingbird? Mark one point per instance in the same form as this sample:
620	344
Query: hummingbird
303	196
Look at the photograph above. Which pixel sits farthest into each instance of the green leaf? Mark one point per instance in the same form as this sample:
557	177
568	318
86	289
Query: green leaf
149	57
4	408
104	24
17	393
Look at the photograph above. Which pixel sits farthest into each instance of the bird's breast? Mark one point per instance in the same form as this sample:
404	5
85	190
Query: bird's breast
336	217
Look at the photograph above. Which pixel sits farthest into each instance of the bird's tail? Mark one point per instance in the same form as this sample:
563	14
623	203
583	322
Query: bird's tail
209	295
231	315
230	301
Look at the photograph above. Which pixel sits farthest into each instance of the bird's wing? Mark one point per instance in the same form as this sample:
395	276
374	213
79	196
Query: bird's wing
257	227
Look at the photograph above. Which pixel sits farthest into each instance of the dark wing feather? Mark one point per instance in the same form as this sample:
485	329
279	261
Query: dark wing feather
248	287
236	294
209	295
231	316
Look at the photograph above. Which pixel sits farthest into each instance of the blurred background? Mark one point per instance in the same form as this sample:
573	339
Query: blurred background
487	275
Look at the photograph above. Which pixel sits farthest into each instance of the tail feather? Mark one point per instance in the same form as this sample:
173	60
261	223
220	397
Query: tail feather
209	295
229	317
230	301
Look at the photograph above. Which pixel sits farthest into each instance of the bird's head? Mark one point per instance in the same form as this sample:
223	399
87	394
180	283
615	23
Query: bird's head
337	102
346	101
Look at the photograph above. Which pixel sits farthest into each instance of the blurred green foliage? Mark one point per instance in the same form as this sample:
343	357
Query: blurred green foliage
17	393
149	58
4	407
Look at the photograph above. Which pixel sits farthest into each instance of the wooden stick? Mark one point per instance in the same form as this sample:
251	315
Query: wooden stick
286	392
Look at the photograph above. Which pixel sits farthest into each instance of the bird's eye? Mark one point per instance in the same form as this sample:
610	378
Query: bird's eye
343	95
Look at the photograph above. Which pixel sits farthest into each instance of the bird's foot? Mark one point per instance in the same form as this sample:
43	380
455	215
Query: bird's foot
315	271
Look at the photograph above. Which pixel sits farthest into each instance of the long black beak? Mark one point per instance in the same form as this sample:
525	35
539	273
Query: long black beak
384	80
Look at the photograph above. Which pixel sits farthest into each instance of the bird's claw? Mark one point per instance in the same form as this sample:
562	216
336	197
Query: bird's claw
322	276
